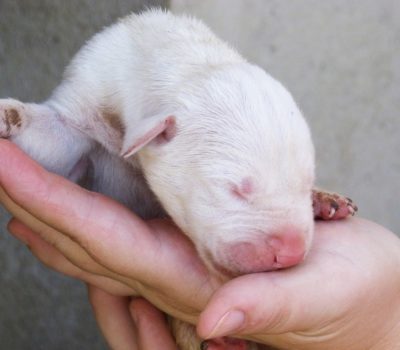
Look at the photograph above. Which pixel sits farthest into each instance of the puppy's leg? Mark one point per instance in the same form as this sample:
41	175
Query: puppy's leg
185	335
331	206
45	136
113	176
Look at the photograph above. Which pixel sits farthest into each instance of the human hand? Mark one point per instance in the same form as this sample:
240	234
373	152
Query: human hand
344	296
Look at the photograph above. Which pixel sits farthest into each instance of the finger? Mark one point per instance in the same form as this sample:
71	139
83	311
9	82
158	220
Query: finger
247	305
70	250
152	328
63	243
53	259
113	317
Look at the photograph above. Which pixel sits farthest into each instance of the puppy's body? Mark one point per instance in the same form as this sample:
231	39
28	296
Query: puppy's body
172	120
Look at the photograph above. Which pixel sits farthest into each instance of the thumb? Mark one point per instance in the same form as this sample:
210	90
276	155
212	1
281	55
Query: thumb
270	304
245	305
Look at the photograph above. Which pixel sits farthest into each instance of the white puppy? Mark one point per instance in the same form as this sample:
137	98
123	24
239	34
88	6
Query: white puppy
167	113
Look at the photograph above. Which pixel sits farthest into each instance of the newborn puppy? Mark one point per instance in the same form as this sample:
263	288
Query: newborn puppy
171	120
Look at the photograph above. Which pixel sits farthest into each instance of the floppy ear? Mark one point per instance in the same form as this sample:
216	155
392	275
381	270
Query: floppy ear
157	128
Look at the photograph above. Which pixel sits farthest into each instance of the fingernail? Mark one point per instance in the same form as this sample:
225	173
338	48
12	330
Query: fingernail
229	323
135	317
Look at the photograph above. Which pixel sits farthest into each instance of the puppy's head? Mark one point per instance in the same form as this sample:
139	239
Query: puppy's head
234	167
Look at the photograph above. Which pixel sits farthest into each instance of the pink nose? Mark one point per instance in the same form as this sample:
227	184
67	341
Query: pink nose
270	253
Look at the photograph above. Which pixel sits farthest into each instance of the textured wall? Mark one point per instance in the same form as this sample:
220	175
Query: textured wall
40	309
341	61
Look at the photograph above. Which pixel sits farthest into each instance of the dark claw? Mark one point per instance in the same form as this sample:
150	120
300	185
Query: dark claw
204	345
334	205
355	209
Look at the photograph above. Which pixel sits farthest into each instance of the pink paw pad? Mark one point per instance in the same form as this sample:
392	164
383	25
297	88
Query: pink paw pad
331	206
10	120
224	343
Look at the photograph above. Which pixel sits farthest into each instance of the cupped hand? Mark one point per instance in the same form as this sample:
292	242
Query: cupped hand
346	295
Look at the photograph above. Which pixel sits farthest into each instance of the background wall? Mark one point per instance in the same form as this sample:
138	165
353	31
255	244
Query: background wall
339	58
39	309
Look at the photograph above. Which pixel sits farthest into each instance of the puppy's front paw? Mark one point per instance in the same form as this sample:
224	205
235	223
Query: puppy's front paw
332	206
12	117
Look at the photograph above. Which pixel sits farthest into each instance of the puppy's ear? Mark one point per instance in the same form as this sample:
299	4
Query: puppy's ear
156	129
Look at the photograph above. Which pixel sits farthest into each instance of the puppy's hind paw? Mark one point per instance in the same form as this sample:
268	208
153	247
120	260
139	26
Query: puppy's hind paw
12	117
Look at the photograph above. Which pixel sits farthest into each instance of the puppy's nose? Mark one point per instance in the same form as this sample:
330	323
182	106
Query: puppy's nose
266	253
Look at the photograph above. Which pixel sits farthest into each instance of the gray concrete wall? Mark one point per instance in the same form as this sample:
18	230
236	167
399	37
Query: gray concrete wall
40	309
341	61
